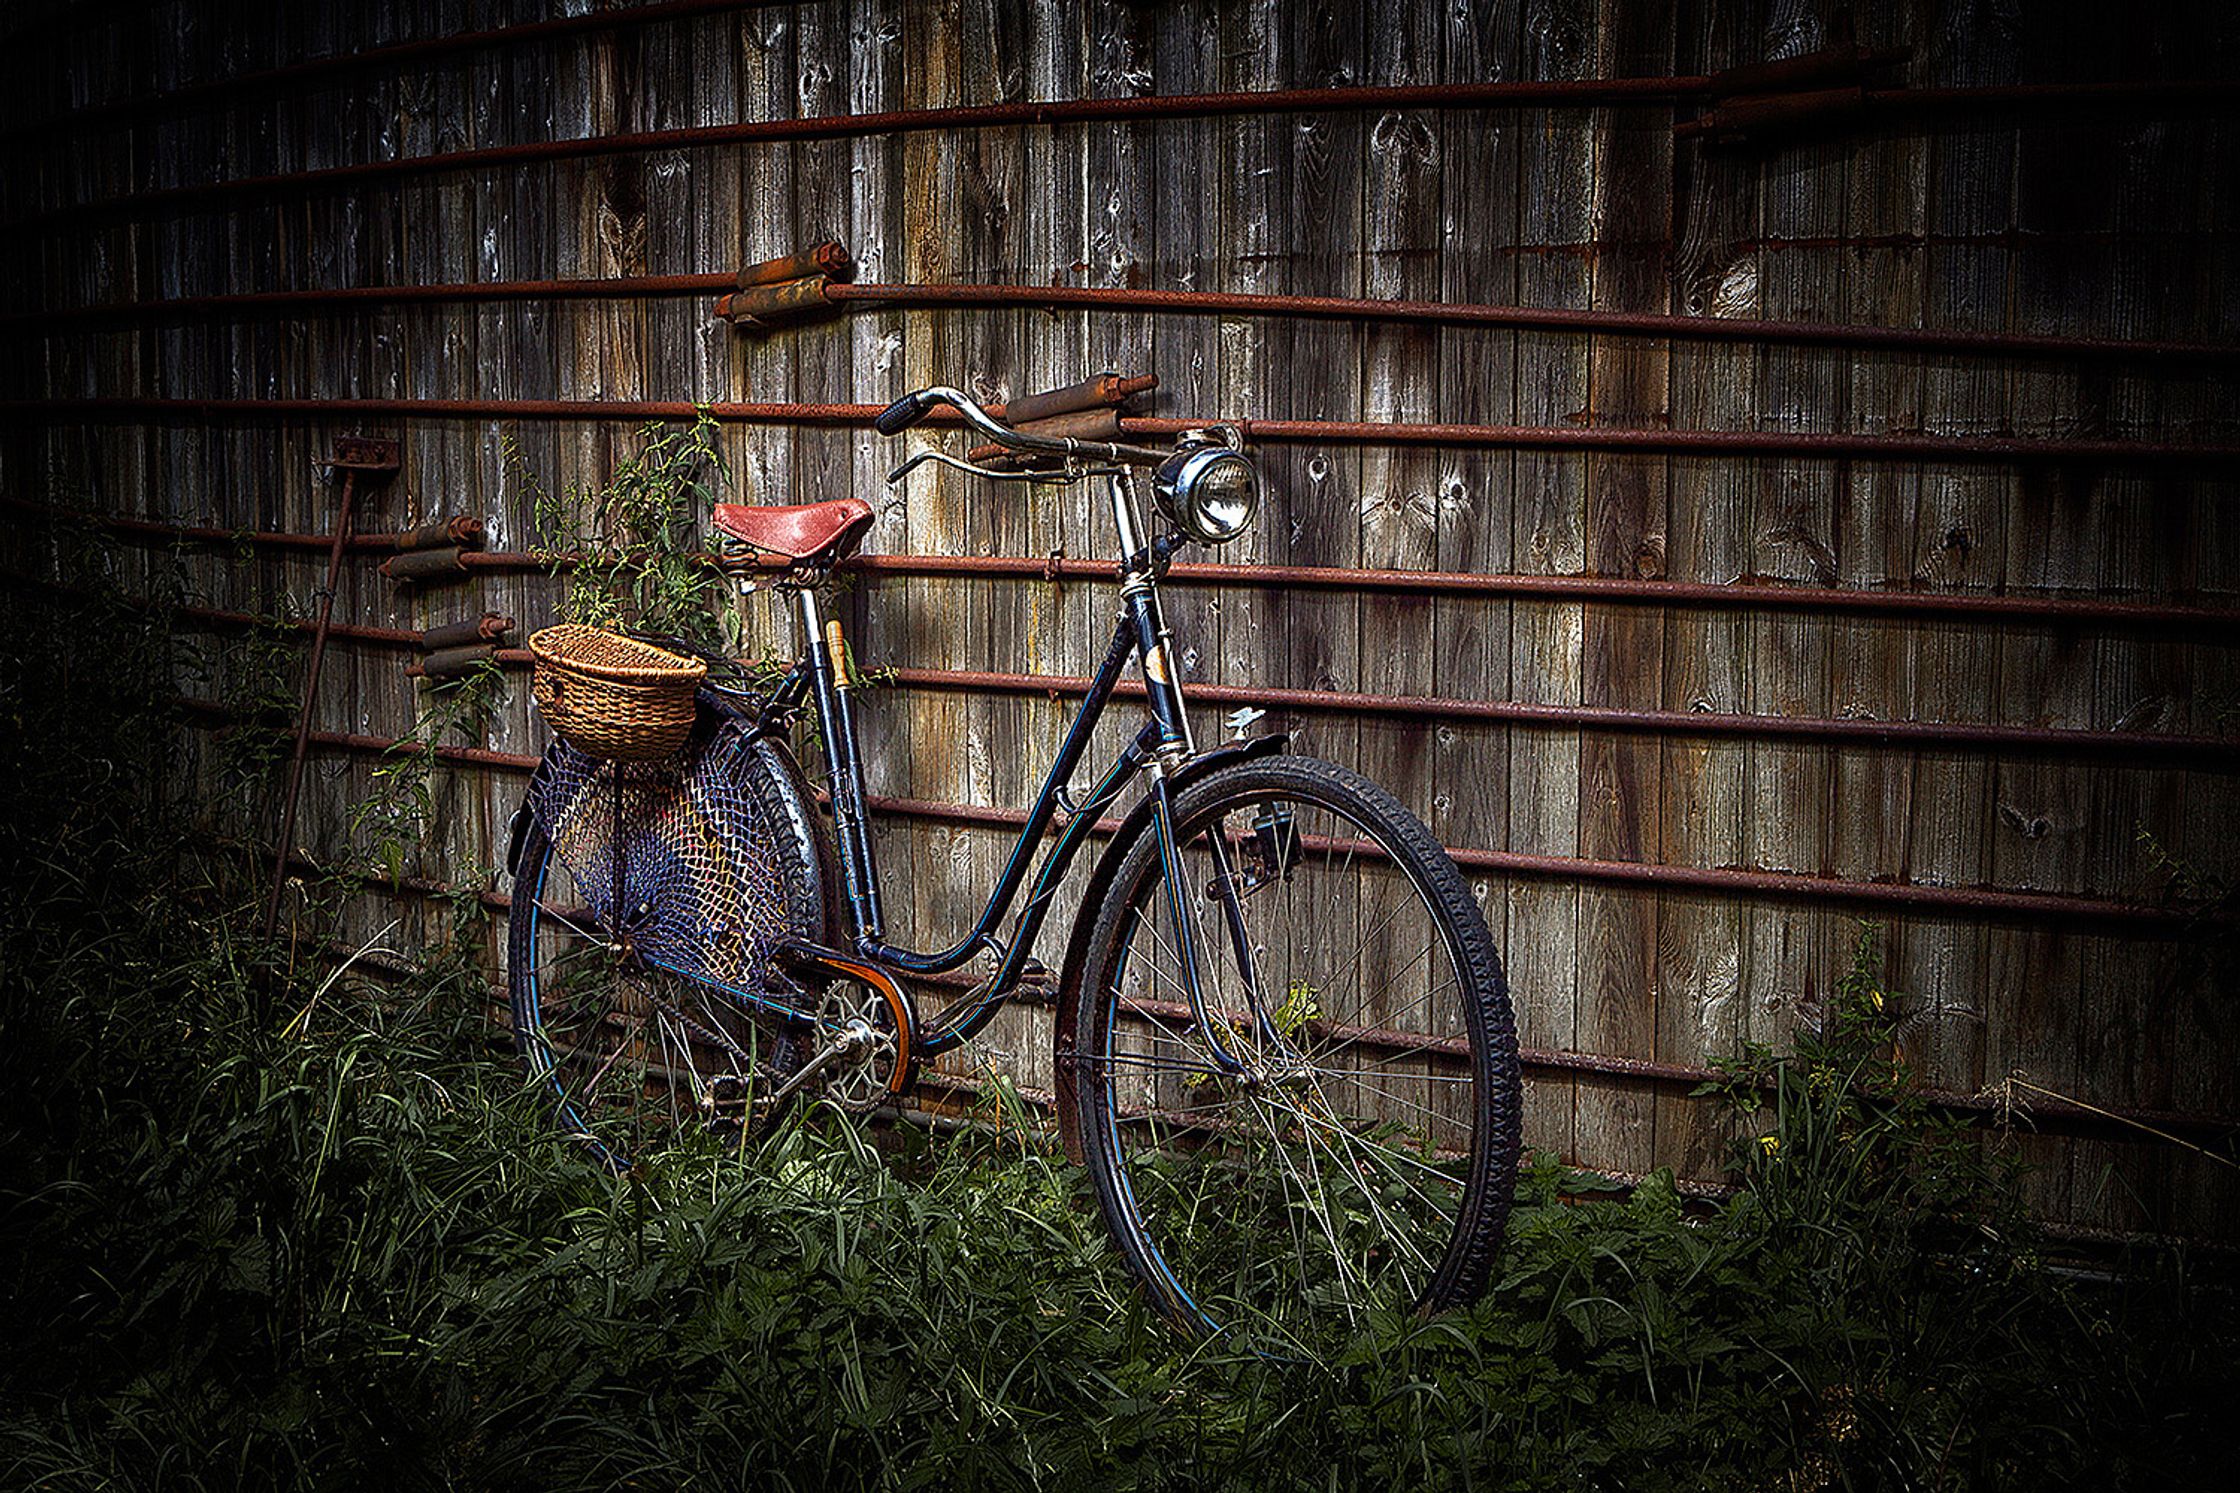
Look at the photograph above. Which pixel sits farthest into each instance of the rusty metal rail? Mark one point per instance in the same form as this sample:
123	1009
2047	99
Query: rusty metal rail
1807	445
1564	93
1656	325
2200	624
1946	735
2134	746
203	94
1986	902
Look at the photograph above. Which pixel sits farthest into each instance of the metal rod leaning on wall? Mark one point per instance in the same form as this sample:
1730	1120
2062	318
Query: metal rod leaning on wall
1810	445
1652	324
359	459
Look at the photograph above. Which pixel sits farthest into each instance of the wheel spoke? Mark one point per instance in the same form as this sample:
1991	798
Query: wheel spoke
1353	1120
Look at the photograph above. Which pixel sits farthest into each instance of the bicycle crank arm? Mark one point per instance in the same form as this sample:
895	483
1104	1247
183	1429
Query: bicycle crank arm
808	1072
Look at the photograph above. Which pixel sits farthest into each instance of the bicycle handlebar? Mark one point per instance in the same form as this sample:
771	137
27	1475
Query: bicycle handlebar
904	413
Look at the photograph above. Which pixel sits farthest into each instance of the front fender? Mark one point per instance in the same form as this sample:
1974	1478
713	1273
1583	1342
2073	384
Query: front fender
1135	824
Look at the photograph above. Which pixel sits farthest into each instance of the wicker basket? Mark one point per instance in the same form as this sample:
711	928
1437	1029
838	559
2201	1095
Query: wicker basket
613	696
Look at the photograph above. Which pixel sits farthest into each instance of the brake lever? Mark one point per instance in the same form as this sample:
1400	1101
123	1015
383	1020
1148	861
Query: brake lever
1070	472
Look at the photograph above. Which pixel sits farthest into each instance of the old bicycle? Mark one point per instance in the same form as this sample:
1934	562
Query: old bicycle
1284	1050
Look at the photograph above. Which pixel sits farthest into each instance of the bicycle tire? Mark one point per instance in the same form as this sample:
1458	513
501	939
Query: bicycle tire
719	855
1366	1159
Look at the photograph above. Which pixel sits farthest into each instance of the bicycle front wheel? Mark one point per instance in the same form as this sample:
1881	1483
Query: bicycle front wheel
1333	1130
645	903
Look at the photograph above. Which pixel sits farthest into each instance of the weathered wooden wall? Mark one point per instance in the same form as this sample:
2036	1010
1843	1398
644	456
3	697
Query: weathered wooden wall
2117	223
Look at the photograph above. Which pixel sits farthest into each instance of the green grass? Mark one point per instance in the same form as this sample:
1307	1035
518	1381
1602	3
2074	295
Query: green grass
263	1229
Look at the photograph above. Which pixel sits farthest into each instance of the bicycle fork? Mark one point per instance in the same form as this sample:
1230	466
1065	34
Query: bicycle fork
1139	594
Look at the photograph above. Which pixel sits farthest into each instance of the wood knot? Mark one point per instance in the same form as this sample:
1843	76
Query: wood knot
1648	558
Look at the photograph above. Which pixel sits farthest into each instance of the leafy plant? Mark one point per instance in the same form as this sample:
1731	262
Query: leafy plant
392	822
629	549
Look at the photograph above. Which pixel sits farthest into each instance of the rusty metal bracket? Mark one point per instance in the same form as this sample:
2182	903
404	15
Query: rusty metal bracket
465	532
453	663
366	459
490	627
1087	411
787	290
420	567
1806	92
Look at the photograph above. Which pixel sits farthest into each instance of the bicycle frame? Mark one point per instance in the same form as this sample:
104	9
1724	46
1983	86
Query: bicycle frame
823	677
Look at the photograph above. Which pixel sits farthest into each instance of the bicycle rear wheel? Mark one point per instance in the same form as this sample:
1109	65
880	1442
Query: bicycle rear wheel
646	899
1346	1142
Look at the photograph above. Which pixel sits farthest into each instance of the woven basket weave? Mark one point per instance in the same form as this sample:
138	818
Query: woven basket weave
614	696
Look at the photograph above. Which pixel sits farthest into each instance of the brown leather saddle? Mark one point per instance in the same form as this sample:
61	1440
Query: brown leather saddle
818	534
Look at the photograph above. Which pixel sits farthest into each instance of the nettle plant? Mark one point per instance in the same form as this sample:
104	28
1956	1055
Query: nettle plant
630	551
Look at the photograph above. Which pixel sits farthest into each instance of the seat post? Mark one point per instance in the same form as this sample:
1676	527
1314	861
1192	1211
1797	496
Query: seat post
826	650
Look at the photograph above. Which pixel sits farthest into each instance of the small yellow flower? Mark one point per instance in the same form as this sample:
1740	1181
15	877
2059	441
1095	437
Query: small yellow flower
1770	1144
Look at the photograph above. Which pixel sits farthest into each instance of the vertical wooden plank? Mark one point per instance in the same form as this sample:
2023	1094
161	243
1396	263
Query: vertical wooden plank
1398	511
1702	782
1623	647
1555	184
1475	490
1792	949
940	507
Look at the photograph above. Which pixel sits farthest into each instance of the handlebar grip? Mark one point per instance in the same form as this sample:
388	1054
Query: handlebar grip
902	414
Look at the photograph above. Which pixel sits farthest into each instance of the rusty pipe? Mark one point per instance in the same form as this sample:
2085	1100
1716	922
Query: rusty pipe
464	533
1101	423
1990	902
1654	324
422	49
490	627
452	663
1560	93
1809	445
1829	65
2213	752
767	307
425	567
2069	1117
828	260
2205	624
1091	393
1651	324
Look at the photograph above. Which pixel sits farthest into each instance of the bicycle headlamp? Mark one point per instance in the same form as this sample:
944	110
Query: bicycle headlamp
1210	492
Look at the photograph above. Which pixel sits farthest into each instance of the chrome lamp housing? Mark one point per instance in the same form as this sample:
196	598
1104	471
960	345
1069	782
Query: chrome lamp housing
1209	489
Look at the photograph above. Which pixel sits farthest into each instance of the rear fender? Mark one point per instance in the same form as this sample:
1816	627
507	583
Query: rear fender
1131	828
